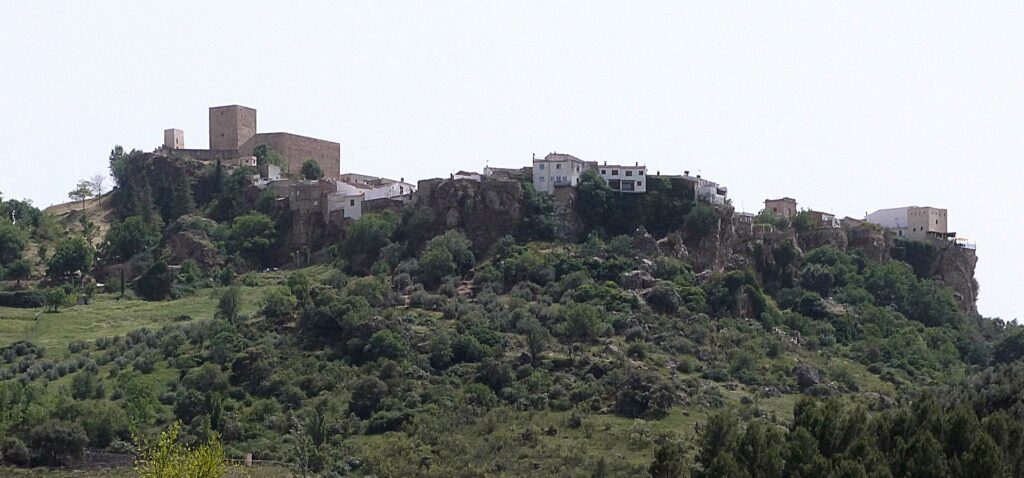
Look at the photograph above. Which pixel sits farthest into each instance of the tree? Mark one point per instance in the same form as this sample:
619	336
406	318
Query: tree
19	270
55	298
311	170
129	237
230	303
252	235
13	240
669	461
1011	347
365	239
435	264
72	255
82	191
97	183
594	198
155	283
717	443
265	155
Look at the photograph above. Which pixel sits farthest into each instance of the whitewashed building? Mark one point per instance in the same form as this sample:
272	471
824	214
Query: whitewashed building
627	179
557	169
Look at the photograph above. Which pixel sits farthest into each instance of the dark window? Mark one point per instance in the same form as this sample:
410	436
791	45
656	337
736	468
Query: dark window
558	166
639	183
604	171
615	172
629	173
639	173
351	202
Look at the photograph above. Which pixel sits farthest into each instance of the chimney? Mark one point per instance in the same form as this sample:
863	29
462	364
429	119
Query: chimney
698	176
636	163
686	173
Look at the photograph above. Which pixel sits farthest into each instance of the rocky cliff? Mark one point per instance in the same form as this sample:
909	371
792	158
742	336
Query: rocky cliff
486	210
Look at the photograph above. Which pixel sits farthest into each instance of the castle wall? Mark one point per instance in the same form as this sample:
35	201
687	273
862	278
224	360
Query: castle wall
296	149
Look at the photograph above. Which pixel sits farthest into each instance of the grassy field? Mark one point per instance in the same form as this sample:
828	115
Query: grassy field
107	316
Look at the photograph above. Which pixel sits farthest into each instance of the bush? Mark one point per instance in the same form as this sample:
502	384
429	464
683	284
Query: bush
278	304
168	457
56	442
26	299
387	344
643	394
663	298
155	283
583	321
14	452
367	393
701	220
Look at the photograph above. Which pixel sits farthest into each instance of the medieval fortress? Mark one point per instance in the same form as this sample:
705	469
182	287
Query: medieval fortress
233	135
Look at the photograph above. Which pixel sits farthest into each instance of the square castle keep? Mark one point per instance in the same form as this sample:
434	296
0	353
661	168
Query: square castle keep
233	135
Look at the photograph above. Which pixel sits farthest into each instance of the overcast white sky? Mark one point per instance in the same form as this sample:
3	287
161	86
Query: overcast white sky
847	106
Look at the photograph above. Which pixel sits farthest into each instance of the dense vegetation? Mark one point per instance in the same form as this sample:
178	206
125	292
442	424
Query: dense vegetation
420	356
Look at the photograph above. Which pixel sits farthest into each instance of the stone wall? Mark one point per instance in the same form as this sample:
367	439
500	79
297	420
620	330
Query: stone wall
296	149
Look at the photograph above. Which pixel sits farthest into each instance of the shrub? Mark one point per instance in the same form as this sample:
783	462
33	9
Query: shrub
168	457
14	451
663	298
388	344
643	394
701	220
583	321
367	394
26	299
56	442
278	304
155	283
229	303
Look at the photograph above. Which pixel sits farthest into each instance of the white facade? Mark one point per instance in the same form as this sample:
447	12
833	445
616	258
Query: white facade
373	187
627	179
557	170
350	204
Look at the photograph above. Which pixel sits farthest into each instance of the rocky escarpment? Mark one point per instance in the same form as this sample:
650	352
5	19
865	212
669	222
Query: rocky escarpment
187	238
486	210
733	246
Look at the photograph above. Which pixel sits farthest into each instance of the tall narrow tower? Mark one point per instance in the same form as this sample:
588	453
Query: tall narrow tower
232	128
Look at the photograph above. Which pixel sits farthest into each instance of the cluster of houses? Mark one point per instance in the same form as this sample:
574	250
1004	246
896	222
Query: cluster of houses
911	222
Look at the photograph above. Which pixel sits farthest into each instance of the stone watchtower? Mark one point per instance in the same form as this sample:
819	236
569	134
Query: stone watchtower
174	139
232	128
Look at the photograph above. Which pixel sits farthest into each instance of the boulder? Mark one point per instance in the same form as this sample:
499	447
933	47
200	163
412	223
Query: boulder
637	279
806	376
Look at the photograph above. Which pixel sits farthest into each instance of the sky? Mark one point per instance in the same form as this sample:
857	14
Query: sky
848	107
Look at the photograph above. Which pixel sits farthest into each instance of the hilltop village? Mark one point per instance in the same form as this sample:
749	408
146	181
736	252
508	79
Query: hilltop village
340	196
311	317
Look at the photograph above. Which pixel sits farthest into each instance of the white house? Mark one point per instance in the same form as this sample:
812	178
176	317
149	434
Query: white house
627	179
351	205
557	169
